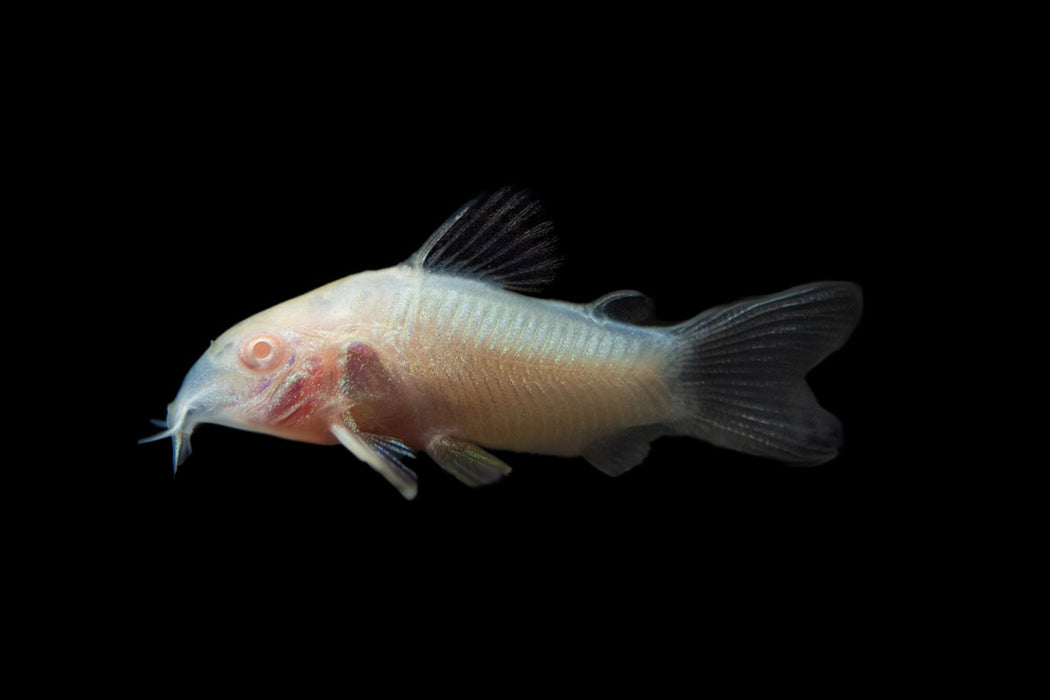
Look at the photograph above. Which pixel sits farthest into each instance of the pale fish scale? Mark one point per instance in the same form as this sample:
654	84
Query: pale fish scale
522	373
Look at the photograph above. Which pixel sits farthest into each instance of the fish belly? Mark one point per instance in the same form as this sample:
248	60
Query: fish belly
529	375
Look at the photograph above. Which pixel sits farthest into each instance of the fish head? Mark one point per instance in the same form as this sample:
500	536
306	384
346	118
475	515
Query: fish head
256	376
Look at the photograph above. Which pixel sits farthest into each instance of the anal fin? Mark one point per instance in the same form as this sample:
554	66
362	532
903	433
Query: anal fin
466	461
619	452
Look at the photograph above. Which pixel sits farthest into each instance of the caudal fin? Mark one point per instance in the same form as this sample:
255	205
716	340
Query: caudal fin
741	370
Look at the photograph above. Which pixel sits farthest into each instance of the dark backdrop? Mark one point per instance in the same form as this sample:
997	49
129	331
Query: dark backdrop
232	185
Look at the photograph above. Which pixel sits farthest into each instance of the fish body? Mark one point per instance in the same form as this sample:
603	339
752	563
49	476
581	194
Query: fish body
442	354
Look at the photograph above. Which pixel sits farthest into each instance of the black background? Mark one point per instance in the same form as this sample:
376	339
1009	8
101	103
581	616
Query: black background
227	180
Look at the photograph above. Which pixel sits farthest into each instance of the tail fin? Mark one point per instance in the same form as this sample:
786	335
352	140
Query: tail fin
741	372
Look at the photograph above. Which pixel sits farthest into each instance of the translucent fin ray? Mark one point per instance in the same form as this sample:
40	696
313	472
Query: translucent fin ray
741	371
466	461
382	453
504	238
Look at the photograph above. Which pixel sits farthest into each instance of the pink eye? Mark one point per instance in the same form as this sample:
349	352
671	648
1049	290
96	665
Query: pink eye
260	352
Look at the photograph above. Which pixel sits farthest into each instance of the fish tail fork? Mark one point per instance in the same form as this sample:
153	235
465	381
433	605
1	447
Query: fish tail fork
740	372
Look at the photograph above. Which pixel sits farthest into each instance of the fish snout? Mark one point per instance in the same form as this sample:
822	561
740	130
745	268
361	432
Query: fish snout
202	396
182	421
179	424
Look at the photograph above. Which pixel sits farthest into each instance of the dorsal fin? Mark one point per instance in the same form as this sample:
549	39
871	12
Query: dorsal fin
503	237
626	306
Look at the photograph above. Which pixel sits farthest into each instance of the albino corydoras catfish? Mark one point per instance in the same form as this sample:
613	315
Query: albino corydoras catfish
442	354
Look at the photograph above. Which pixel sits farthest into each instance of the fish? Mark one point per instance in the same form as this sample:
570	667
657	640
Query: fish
452	353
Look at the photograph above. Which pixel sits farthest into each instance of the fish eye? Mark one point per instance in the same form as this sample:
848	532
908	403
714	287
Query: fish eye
260	352
261	349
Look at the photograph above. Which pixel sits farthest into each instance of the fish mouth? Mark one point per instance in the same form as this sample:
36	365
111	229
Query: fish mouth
178	430
201	398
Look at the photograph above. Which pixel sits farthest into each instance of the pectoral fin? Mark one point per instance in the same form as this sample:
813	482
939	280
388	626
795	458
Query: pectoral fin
381	453
466	461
